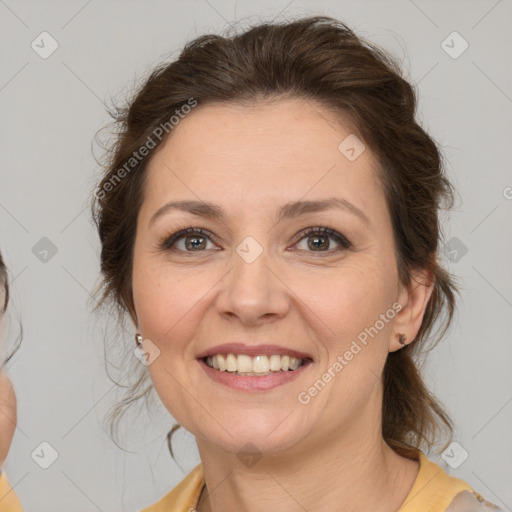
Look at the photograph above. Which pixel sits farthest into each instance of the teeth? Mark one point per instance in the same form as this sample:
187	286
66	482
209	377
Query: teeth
294	363
244	363
231	363
275	363
259	365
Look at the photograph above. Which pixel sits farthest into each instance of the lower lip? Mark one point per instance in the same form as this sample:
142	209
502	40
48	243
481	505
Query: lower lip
263	383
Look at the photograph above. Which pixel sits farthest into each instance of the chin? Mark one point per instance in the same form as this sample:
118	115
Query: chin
269	438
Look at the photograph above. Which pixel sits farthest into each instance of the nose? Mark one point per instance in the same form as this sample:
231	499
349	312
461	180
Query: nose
253	292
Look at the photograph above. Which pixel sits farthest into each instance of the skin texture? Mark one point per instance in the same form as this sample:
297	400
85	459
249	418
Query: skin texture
8	411
7	415
251	160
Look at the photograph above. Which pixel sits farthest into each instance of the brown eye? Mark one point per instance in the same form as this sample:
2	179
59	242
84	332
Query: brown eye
319	240
195	240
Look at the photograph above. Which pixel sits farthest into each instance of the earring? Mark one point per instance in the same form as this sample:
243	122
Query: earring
138	339
401	338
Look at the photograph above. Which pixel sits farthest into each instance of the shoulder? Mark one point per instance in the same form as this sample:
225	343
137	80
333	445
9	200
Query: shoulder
433	491
436	491
184	496
467	501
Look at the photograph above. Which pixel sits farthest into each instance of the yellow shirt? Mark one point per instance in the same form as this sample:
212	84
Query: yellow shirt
9	501
433	491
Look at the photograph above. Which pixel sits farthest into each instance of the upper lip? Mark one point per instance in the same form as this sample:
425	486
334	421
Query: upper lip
252	350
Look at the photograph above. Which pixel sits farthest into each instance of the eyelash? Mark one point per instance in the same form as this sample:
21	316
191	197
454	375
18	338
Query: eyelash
166	243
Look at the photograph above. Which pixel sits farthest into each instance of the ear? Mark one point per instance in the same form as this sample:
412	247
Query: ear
414	300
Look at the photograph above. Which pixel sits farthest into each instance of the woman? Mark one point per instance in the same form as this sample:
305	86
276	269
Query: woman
9	502
269	220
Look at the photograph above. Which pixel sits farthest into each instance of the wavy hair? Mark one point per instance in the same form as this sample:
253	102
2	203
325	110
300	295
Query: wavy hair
321	60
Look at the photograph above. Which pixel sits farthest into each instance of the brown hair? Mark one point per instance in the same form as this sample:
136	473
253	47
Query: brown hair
319	59
4	286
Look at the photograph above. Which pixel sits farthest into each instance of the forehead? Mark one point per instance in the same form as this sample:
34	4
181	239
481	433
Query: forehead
286	149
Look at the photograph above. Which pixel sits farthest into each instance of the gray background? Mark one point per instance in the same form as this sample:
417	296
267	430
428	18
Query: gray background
50	111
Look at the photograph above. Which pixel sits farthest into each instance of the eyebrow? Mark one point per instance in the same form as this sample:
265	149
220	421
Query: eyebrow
288	211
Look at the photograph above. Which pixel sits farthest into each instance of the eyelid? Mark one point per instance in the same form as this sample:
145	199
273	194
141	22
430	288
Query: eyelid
341	239
166	243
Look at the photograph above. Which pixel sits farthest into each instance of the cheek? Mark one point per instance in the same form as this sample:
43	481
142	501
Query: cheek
159	303
7	416
165	316
349	298
168	302
352	337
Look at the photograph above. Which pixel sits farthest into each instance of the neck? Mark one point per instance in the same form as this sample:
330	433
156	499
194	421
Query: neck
356	476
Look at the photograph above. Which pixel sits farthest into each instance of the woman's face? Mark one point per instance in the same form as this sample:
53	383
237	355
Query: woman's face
255	276
7	415
7	396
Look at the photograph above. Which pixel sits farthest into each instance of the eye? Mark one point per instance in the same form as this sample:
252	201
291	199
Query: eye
191	239
317	240
197	239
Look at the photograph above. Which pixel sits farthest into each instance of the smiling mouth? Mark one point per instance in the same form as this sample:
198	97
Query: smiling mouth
257	366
